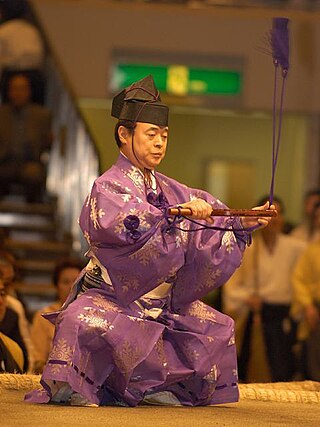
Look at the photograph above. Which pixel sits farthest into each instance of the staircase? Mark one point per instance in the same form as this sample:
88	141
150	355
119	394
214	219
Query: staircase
32	236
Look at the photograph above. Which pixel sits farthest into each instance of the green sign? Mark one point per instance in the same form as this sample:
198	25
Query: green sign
180	80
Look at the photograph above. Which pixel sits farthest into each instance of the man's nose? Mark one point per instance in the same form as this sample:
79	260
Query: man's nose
158	140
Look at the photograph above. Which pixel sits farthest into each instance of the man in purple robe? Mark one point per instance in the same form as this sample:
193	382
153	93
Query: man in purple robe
133	329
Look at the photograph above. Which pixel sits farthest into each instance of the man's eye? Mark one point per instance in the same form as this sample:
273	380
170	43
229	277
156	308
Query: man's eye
152	135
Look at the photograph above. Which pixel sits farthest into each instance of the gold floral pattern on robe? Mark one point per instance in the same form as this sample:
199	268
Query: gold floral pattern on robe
60	351
212	376
128	282
190	351
140	322
199	309
126	356
87	237
182	235
107	305
170	277
232	340
136	177
161	353
95	213
94	319
142	215
149	251
208	276
115	187
228	240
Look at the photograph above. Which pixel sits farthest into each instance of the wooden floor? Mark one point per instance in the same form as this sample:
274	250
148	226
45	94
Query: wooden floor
14	412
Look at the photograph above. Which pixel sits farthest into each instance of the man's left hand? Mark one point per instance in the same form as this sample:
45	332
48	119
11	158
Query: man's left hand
253	222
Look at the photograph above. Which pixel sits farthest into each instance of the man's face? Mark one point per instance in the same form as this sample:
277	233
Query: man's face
66	279
19	91
310	203
149	145
3	300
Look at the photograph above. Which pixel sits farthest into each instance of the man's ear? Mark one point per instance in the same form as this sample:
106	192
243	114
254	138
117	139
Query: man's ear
123	134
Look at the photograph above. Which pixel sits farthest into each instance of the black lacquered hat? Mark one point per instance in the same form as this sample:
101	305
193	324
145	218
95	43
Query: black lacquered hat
140	102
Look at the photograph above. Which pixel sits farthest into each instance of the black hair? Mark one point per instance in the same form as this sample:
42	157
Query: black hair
128	124
313	192
63	264
13	9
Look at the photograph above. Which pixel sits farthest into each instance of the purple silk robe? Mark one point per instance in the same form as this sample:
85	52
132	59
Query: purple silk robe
109	346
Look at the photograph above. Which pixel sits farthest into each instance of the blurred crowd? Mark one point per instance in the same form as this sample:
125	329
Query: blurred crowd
274	298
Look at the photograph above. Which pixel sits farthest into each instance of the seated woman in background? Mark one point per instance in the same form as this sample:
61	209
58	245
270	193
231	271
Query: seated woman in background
65	273
11	355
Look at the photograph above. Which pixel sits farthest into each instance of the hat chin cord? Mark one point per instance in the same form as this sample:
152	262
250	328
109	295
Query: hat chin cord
145	171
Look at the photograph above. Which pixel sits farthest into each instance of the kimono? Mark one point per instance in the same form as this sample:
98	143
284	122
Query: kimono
143	333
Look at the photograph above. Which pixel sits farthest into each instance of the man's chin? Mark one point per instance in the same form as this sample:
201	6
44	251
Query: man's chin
156	162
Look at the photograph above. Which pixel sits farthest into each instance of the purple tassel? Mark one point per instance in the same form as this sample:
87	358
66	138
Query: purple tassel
280	43
279	40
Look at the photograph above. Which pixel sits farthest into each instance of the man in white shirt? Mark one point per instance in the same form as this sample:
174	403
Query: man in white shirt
260	292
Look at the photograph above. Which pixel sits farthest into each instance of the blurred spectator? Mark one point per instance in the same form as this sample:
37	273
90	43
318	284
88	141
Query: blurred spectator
25	137
306	303
7	271
258	296
307	231
11	355
21	47
42	331
12	348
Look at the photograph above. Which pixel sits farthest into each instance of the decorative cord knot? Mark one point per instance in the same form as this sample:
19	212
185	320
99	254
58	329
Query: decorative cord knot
132	222
158	200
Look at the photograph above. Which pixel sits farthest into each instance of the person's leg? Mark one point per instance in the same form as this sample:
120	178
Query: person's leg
277	330
244	354
313	355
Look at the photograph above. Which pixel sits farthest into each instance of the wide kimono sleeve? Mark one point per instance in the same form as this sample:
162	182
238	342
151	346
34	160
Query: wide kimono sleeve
131	238
211	256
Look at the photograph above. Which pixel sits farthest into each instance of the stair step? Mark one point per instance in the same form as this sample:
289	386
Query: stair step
44	246
28	265
27	208
31	233
32	227
35	289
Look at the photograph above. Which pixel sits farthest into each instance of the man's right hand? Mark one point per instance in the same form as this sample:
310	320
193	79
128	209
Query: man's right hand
200	209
